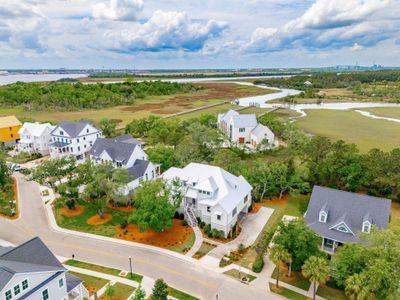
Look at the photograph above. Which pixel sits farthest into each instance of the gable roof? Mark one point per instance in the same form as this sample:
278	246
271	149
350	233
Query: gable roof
119	149
31	256
229	190
245	120
35	129
348	208
226	116
262	131
9	121
139	168
73	129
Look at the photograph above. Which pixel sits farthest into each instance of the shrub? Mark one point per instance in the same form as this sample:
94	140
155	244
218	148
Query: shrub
181	216
184	223
258	264
176	215
70	203
123	224
207	229
241	248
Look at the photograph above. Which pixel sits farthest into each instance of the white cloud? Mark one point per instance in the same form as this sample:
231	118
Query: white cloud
356	47
122	10
166	31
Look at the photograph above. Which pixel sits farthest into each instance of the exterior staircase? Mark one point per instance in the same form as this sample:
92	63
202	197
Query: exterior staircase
189	216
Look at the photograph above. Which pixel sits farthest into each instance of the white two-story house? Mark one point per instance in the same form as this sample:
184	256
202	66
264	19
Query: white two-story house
31	271
244	129
73	139
35	138
212	194
125	152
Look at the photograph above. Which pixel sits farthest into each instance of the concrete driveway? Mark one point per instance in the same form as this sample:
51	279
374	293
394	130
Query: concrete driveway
181	272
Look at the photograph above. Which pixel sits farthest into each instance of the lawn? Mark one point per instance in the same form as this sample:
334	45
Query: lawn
235	274
296	278
9	208
204	249
394	223
102	269
331	293
389	112
287	293
180	295
156	105
93	284
352	127
285	114
122	292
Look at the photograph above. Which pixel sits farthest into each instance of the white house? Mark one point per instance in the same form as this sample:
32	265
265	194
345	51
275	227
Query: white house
212	194
73	139
31	271
35	138
125	152
244	129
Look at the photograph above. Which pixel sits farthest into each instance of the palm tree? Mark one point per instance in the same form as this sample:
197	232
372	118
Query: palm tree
317	270
278	254
357	288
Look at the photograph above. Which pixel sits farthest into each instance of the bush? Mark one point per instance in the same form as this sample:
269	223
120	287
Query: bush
181	216
207	229
202	224
176	215
184	223
258	264
123	224
70	204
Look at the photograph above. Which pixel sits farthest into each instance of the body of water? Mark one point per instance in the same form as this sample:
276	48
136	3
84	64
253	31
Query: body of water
8	79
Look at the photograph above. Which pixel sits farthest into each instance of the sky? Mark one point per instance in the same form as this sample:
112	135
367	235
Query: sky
166	34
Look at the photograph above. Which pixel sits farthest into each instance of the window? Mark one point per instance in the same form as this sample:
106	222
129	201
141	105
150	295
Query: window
322	217
77	140
87	130
45	294
342	228
366	227
242	129
25	284
218	217
234	212
12	135
246	198
10	128
84	138
17	290
61	282
79	148
8	295
208	208
61	132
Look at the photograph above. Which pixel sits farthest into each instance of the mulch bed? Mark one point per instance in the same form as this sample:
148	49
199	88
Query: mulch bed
79	209
175	236
121	208
96	220
274	201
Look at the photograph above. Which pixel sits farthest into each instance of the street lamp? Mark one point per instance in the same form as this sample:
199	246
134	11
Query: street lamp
130	265
73	256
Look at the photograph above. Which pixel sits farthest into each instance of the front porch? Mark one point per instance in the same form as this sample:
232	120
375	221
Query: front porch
329	245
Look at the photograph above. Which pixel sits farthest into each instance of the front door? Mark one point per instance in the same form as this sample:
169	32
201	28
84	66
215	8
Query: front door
241	140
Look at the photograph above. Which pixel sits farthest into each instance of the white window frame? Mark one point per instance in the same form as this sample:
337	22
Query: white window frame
27	284
368	224
323	216
19	289
10	294
61	283
48	294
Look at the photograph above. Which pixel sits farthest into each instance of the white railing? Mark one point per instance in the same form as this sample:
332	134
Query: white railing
189	215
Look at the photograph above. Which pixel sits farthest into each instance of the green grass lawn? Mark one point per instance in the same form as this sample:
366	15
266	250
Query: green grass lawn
253	110
235	274
331	293
208	111
287	293
122	291
180	295
389	112
284	114
204	249
93	284
7	206
78	223
352	127
102	269
296	280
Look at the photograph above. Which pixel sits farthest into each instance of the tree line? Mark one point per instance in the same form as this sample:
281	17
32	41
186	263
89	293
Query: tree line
75	96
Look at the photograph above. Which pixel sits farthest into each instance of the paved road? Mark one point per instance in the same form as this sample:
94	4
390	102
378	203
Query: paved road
182	273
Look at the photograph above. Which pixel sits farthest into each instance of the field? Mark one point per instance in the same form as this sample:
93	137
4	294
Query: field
388	112
352	127
158	105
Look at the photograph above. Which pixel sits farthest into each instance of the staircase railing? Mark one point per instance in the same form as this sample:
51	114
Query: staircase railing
189	215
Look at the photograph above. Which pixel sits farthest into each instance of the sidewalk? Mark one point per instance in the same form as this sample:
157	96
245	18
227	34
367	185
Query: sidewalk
197	243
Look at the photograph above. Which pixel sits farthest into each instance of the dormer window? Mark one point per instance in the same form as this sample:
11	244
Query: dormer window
366	227
61	132
323	216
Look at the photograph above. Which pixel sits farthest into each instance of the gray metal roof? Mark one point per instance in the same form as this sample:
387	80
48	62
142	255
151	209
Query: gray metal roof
119	149
245	120
32	256
72	128
72	281
139	168
350	208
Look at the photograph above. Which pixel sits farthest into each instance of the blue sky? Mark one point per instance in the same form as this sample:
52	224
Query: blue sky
198	33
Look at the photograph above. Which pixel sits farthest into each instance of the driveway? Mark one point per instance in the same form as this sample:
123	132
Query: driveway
182	273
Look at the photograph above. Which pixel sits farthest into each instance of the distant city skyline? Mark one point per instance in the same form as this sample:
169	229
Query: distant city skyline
171	34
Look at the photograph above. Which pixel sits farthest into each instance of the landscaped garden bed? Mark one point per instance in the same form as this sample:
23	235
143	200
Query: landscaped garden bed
9	200
204	249
102	269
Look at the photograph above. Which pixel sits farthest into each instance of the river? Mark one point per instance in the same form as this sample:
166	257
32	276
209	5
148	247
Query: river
13	78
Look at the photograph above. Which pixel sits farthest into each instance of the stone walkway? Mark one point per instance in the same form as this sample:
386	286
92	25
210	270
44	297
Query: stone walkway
197	243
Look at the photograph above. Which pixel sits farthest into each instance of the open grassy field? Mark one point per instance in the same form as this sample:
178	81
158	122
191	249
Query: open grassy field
388	112
352	127
284	114
157	105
